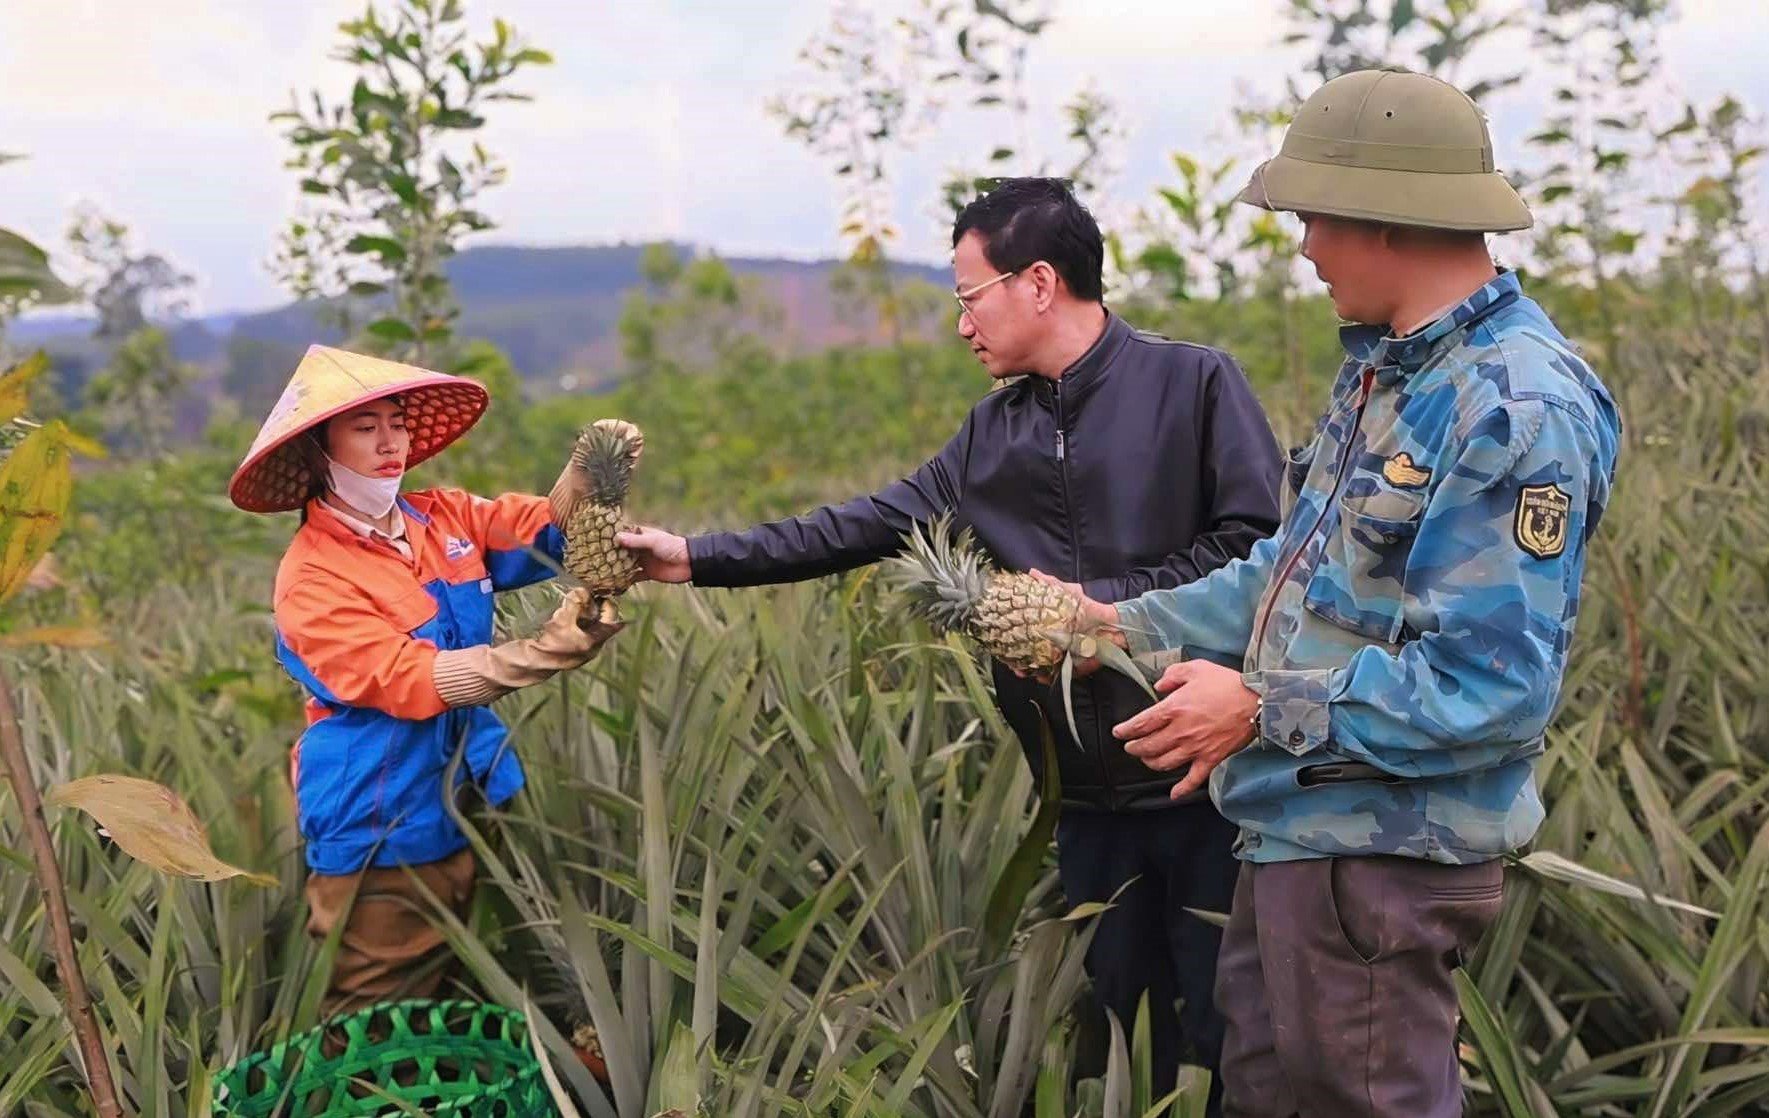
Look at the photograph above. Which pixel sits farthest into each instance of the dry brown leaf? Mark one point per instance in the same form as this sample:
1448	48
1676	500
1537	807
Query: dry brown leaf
150	823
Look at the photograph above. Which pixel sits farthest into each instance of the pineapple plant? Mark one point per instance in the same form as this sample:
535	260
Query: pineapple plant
1029	625
605	454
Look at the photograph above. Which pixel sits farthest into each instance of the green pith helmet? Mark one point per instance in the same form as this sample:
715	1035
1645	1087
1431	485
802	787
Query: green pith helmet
1390	146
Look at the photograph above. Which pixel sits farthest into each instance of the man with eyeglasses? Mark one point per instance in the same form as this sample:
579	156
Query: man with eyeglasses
1118	460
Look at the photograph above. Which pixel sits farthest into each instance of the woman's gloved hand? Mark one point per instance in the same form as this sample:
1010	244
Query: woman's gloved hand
579	627
570	638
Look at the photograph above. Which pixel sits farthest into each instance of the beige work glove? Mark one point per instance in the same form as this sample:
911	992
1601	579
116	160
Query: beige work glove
570	638
573	484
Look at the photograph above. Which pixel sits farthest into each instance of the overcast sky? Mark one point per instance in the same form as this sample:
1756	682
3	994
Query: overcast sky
651	124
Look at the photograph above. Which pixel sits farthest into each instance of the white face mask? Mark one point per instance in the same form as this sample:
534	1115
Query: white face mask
371	495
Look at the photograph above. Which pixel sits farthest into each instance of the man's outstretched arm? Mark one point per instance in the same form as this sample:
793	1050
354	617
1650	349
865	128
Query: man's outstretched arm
819	542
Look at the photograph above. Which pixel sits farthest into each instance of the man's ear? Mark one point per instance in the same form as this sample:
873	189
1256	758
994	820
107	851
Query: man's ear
1045	283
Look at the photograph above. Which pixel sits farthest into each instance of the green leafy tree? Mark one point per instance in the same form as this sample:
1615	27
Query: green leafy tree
129	287
1199	240
392	175
866	92
1093	125
987	56
484	461
1435	36
1097	130
313	261
692	314
1187	242
132	291
1589	200
1715	243
136	391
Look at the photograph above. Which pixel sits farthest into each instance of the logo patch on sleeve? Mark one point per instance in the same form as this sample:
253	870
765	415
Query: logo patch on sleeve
1401	472
1539	525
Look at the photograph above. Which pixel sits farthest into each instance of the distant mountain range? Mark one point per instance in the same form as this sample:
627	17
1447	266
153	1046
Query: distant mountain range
553	310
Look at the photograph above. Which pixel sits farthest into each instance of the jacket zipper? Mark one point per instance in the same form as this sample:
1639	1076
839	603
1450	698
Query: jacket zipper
1275	586
1062	457
1062	462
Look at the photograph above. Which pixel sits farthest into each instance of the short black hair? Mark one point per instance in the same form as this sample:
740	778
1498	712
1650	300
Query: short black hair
1025	220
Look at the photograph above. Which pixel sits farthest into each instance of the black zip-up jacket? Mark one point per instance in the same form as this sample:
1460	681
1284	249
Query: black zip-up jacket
1147	464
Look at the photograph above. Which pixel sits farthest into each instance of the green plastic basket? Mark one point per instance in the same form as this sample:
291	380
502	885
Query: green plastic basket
456	1058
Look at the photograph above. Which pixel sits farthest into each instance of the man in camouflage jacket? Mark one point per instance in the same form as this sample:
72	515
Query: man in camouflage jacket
1404	633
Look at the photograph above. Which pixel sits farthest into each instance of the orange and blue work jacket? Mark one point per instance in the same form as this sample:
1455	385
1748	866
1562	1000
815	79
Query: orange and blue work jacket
358	626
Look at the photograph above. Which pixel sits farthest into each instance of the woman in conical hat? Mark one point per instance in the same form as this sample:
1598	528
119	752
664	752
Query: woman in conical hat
383	608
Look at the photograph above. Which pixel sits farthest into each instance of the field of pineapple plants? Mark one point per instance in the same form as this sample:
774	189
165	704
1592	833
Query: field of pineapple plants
778	855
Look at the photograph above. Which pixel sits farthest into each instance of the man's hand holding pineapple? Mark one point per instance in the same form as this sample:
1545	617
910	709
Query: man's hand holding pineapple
663	557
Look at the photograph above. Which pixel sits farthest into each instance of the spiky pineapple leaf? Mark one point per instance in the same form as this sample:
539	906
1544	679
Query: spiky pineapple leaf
1067	683
940	578
1119	661
1008	899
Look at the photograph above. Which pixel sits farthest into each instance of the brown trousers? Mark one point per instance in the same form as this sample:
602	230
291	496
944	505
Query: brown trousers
1335	982
389	949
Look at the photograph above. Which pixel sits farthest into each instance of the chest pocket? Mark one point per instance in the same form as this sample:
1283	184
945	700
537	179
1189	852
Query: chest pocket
411	610
1360	582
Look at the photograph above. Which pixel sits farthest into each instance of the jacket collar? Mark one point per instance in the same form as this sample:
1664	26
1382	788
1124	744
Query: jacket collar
1394	358
370	531
324	518
1088	369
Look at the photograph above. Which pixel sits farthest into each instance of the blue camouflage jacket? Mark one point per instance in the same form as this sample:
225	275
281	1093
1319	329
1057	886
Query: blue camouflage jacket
1411	616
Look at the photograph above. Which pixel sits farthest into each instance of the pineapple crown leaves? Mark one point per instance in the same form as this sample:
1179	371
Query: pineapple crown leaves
607	451
941	576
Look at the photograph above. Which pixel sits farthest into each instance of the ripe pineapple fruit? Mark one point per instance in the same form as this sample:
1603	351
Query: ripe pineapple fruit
1030	626
953	586
605	455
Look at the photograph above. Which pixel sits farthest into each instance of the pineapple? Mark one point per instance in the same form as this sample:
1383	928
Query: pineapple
1030	626
606	453
1016	618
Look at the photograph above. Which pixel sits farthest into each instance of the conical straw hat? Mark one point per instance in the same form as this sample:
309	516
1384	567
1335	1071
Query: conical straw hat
438	410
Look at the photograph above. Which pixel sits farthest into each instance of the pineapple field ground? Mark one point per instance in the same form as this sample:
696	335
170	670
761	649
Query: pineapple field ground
779	850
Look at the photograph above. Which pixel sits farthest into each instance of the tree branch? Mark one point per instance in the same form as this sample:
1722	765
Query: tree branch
55	902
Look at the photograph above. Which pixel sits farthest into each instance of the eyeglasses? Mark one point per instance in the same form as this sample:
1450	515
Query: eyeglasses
964	297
